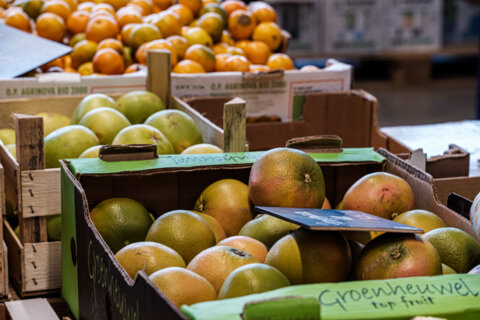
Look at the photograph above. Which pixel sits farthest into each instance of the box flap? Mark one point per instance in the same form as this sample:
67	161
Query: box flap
97	166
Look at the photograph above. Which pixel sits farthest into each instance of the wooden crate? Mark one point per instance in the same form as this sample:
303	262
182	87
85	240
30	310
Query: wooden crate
3	248
35	191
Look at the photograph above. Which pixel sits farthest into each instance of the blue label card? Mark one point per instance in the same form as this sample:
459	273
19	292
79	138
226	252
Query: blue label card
323	219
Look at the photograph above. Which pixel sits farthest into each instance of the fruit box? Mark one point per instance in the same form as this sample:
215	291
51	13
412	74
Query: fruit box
34	191
3	247
350	114
96	286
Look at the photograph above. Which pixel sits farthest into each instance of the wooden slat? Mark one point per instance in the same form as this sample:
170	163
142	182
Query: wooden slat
30	156
12	178
3	251
158	77
15	256
40	192
234	126
6	285
210	132
43	268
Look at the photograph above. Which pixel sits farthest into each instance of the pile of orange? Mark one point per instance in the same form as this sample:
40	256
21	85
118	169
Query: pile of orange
113	36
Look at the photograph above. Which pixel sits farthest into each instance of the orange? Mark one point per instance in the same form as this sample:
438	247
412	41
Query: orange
77	38
168	23
220	48
158	44
185	14
250	279
83	51
231	5
148	257
227	38
306	256
59	7
85	69
259	68
257	52
237	63
101	27
213	23
183	231
142	33
198	35
203	55
87	6
397	255
128	15
270	33
309	68
51	26
115	44
146	6
116	4
180	44
163	4
235	51
134	67
422	219
216	263
182	286
242	44
216	8
108	61
126	31
241	24
17	18
72	3
262	11
151	18
105	8
188	66
220	60
121	221
280	61
247	244
205	2
194	5
77	21
59	62
212	222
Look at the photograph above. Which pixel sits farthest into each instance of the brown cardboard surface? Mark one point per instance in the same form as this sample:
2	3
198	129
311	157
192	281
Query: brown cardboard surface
467	187
98	271
352	115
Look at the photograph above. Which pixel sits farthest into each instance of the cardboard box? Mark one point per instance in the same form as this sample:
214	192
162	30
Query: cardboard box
412	25
460	21
35	191
351	115
467	187
277	94
93	283
353	27
301	19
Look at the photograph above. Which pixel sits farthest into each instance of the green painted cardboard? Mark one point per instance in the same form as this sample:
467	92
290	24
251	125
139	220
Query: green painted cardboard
95	166
455	297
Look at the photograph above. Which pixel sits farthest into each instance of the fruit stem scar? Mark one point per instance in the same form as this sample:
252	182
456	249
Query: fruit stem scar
307	178
396	254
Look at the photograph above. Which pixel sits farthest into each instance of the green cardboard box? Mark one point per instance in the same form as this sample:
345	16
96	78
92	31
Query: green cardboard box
95	286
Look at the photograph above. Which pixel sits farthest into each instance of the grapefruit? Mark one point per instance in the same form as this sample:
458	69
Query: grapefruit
91	152
421	219
227	201
306	256
284	177
214	225
52	121
138	105
121	221
216	263
381	194
252	278
183	231
92	101
182	286
267	229
149	257
143	134
202	148
7	136
105	122
398	255
249	245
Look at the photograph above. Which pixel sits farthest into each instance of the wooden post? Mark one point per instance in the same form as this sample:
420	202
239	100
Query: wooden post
30	156
158	78
234	126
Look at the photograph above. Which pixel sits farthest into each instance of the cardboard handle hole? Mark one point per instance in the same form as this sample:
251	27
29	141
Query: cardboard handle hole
73	251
